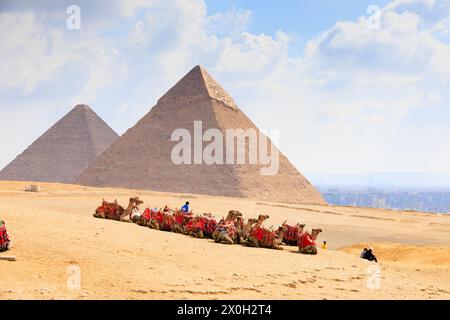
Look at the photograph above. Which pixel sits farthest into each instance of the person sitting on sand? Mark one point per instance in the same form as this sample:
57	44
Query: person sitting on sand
185	208
5	242
368	255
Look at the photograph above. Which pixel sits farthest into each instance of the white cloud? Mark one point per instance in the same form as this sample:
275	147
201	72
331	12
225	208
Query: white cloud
228	23
344	105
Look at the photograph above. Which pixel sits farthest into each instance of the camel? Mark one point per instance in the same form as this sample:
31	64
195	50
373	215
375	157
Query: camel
245	231
225	231
306	243
201	226
208	226
5	242
291	235
265	238
162	221
114	211
181	220
110	210
145	218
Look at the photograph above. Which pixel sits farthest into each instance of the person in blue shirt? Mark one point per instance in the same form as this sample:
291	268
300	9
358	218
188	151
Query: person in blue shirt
185	208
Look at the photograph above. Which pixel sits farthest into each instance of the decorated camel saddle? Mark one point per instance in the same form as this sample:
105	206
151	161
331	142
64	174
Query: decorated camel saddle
292	233
109	210
181	221
202	226
161	220
306	242
144	219
266	238
5	242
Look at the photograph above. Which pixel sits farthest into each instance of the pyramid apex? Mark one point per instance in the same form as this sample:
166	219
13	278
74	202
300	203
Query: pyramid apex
82	107
198	82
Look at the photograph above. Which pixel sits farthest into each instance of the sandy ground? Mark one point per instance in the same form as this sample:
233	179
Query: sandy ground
55	236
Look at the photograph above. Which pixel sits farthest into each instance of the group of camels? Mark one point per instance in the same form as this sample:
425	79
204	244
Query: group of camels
230	230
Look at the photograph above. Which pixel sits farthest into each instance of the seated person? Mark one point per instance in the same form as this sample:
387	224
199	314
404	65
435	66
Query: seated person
185	207
368	255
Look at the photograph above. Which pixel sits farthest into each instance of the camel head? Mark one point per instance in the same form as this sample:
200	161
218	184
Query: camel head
232	215
315	233
136	201
262	218
281	231
301	226
235	213
209	215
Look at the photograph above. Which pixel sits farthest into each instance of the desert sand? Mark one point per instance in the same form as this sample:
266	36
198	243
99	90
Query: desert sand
53	231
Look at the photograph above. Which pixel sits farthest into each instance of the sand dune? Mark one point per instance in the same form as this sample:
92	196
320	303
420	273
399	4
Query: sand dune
425	255
54	233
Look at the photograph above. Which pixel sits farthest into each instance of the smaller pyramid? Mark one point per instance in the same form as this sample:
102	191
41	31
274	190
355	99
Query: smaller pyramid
63	152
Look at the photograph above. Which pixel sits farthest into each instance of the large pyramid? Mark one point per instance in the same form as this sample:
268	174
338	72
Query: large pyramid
63	152
141	158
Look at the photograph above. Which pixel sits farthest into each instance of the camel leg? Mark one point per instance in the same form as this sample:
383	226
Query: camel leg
99	215
177	229
198	234
154	225
226	240
215	236
308	250
252	242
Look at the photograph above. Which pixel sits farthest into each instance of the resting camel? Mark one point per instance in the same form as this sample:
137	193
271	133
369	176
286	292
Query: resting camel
201	226
162	221
291	235
225	231
181	220
114	211
110	210
306	242
265	238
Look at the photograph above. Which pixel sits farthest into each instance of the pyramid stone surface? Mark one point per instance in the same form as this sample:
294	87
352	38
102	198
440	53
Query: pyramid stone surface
63	152
141	158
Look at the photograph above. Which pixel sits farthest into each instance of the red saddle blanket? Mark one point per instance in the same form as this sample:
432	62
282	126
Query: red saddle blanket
291	235
305	240
109	209
228	227
4	238
265	235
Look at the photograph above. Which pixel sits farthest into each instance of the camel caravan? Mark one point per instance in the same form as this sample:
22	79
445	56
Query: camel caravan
233	229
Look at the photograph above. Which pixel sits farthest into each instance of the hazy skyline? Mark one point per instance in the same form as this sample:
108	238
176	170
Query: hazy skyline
348	96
